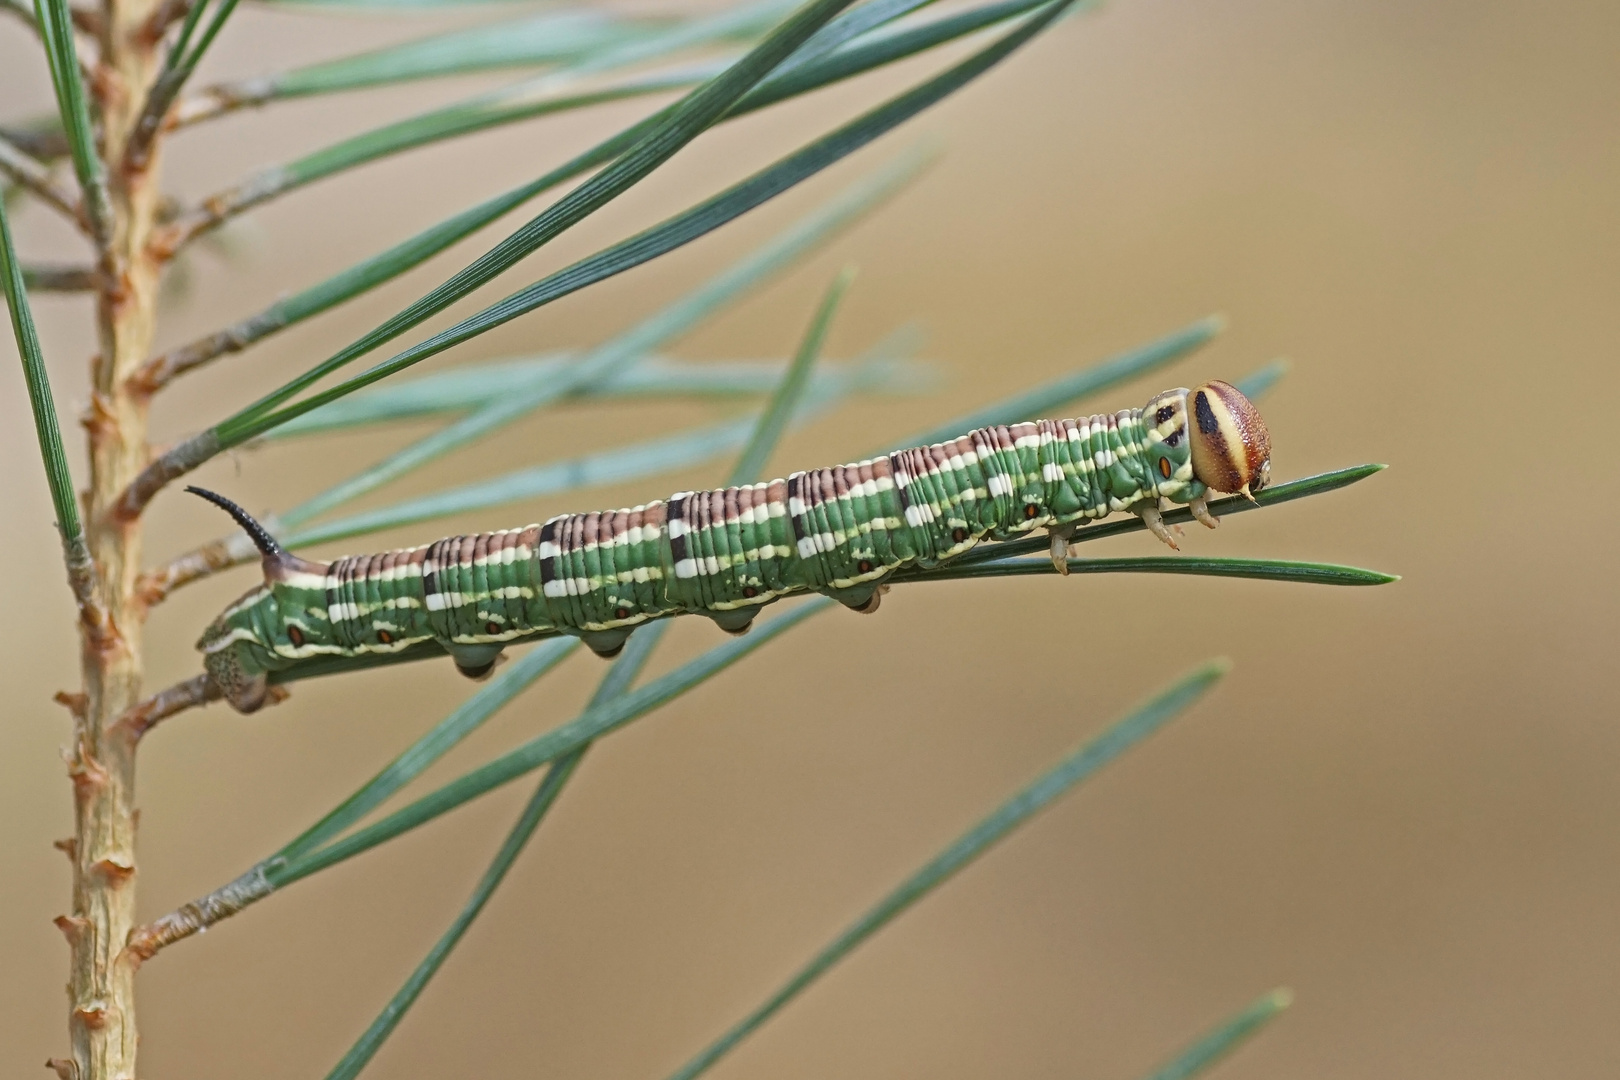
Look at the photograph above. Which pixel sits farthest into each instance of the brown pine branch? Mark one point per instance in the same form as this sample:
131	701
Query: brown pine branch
102	1023
45	144
217	209
221	99
197	916
159	371
200	562
177	698
51	277
35	175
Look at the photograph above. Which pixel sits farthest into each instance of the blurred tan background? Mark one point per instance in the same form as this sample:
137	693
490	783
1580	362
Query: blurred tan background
1403	803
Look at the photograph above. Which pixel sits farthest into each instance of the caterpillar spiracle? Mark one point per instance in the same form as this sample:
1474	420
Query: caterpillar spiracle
726	553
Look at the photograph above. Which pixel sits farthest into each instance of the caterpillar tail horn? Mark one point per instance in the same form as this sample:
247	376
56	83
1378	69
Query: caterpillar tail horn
257	533
278	562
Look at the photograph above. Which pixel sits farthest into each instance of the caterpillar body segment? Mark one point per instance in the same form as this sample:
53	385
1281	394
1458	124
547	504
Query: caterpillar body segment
838	531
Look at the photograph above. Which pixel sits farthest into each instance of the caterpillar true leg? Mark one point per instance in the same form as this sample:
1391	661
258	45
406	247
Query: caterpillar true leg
1155	522
1201	514
1060	536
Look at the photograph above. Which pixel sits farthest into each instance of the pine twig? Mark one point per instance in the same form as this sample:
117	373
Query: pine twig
154	586
161	370
76	554
188	919
222	99
51	277
199	690
35	175
182	62
674	232
47	144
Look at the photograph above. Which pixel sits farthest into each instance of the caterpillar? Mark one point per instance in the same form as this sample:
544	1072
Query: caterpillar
726	553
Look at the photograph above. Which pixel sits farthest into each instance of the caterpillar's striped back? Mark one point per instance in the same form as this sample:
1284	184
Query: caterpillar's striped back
725	553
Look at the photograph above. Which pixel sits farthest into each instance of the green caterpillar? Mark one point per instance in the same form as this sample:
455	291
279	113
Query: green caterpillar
726	553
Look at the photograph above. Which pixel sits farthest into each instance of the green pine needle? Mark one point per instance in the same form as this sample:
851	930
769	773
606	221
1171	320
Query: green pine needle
452	121
361	1053
545	748
55	26
652	243
520	675
852	24
1320	484
495	695
215	25
1257	384
182	40
655	377
530	41
1043	400
1220	1042
1310	573
773	421
1077	767
43	404
385	266
693	115
620	464
607	360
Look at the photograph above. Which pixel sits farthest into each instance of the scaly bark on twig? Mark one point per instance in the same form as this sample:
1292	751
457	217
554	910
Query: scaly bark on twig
102	1018
199	915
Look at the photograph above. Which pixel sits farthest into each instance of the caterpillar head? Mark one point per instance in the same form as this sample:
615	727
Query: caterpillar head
260	633
224	661
1231	448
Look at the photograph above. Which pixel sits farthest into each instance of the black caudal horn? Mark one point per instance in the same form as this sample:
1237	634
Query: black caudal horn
257	533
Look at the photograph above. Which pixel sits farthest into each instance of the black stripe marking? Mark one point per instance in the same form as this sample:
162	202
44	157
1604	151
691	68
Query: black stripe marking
548	567
677	512
796	491
1206	415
